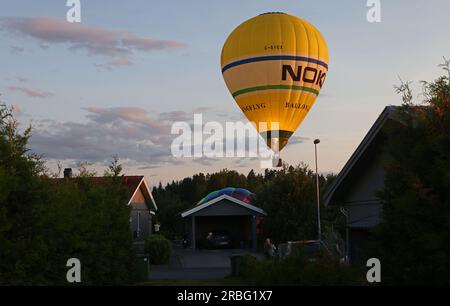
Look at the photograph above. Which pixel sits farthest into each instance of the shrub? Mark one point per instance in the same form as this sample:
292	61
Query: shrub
295	270
159	249
246	265
44	222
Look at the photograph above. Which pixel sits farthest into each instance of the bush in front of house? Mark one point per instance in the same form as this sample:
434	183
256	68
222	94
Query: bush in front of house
44	222
159	249
296	270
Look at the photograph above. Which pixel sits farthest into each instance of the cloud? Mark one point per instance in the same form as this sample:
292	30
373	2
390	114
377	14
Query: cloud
297	139
147	167
176	116
134	115
130	132
96	142
246	162
16	78
16	50
103	67
202	109
17	111
33	93
205	161
141	137
117	46
44	46
21	79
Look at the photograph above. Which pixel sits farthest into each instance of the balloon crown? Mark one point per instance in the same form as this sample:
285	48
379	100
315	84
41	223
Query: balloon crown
271	13
237	193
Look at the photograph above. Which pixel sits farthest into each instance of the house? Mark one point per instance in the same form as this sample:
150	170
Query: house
356	188
230	210
143	206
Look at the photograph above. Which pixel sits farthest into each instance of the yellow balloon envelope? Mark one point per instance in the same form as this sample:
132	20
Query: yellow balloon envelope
274	66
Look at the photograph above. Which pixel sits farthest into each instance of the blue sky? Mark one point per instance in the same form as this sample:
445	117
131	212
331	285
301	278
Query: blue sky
86	102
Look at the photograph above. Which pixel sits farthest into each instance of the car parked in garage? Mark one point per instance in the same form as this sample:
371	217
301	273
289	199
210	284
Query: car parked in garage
216	239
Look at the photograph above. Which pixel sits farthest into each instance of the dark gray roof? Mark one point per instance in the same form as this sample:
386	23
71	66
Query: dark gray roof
338	184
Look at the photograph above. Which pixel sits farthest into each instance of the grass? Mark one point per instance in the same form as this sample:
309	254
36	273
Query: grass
227	281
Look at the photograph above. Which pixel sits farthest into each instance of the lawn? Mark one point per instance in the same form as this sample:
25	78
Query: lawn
227	281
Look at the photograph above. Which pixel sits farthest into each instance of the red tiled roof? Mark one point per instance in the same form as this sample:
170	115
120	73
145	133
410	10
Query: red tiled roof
130	182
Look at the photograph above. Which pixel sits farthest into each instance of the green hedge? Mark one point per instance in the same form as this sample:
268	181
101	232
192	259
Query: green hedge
297	271
159	249
44	222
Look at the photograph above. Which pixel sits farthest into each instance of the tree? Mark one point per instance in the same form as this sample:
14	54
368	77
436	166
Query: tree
288	196
412	241
22	198
45	221
114	168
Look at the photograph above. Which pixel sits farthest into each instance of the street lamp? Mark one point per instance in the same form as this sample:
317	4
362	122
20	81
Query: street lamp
317	141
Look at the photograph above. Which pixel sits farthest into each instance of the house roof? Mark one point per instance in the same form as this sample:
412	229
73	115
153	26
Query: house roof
219	198
362	152
132	183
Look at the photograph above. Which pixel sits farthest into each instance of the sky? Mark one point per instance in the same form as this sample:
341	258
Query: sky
116	82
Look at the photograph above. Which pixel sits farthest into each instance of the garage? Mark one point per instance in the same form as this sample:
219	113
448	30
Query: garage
229	213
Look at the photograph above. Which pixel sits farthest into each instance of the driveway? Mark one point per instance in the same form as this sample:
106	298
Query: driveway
206	258
198	264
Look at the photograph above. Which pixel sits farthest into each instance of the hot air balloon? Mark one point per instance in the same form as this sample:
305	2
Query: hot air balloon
274	65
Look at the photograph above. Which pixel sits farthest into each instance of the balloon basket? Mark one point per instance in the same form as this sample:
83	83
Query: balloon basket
277	162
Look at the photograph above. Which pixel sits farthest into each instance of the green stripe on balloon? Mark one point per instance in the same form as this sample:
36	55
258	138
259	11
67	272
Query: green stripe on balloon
269	87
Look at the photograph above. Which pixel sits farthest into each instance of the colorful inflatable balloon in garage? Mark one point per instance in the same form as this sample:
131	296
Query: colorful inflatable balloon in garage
275	65
238	193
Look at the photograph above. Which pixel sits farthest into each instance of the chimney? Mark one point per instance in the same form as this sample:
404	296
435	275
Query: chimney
67	172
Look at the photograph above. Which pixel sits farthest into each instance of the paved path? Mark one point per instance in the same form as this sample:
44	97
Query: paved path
191	274
206	258
199	264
